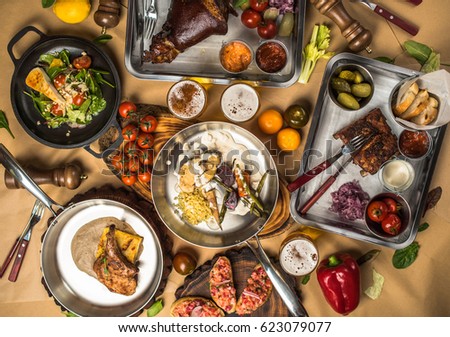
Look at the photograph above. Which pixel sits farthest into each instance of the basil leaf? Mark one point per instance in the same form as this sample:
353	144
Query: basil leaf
47	3
102	39
385	59
423	227
418	50
155	308
404	257
4	123
433	63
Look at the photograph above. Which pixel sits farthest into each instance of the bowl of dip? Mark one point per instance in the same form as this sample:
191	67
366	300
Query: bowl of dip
239	102
235	56
415	144
187	99
396	175
403	211
271	56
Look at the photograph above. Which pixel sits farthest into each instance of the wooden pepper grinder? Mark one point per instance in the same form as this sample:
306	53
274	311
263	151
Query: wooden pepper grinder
69	176
357	36
107	14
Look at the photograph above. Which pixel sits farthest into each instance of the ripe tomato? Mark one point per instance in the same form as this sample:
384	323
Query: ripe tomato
117	161
148	123
267	29
56	110
145	140
184	263
377	211
259	5
133	164
130	132
144	176
146	157
59	80
251	18
78	99
130	149
126	109
391	224
129	178
392	205
82	62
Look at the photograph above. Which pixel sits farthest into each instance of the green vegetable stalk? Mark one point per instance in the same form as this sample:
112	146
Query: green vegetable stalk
426	56
315	50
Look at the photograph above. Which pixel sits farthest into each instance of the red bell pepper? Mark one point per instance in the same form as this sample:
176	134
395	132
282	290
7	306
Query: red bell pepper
339	280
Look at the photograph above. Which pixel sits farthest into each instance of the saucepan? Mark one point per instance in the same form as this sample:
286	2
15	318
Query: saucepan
236	228
63	137
73	289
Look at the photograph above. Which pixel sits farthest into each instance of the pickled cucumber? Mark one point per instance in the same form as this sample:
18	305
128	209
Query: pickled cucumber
340	85
348	101
362	90
359	78
347	75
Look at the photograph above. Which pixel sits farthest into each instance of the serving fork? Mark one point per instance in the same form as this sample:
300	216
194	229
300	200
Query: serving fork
21	243
150	17
353	145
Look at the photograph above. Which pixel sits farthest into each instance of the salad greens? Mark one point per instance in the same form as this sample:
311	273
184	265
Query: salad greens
86	82
315	50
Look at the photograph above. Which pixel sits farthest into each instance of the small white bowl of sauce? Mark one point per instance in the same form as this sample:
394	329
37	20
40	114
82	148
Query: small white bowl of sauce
397	175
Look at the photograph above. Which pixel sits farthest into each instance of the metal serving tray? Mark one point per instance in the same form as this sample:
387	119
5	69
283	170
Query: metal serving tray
202	60
329	118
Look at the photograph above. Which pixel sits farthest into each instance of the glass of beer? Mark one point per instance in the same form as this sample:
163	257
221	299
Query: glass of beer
187	99
298	254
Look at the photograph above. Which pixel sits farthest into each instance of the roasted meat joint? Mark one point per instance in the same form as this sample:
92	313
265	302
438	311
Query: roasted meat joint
188	23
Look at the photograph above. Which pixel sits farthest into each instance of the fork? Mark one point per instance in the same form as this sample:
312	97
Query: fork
353	145
22	242
150	17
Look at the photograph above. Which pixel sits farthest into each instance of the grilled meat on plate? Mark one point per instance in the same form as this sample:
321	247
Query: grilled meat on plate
113	269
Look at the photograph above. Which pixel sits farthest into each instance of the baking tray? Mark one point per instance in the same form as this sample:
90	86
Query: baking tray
202	60
329	118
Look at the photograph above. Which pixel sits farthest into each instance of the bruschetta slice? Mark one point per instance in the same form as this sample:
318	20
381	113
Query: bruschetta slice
194	306
256	293
221	285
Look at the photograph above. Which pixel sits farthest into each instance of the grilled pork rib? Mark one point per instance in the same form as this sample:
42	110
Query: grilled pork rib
188	23
113	269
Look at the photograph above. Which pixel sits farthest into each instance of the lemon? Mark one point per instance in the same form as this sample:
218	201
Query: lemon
72	11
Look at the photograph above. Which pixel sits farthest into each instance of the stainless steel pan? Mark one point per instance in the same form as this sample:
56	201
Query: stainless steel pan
73	289
237	229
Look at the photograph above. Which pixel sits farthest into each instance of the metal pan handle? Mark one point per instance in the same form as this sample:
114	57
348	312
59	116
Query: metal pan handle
16	38
113	146
287	294
14	168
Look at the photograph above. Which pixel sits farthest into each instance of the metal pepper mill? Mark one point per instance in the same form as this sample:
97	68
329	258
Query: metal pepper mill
107	14
358	37
69	176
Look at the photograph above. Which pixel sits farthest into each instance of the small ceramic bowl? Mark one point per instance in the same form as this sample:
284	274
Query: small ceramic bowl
235	56
404	213
415	145
348	83
271	56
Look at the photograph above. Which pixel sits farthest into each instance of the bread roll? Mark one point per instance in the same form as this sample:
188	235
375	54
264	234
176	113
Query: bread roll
429	114
407	99
417	106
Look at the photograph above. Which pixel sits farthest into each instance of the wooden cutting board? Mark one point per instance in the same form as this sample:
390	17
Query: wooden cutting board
242	261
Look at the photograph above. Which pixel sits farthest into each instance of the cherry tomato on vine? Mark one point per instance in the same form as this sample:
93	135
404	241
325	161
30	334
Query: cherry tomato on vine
127	109
148	123
130	132
377	211
267	29
146	157
259	5
130	149
129	178
145	140
133	164
250	18
391	224
144	176
117	161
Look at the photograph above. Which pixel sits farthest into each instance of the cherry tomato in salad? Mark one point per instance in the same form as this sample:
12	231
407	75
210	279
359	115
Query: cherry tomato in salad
377	211
392	205
144	176
391	224
130	132
56	110
129	178
267	29
145	140
59	80
148	123
259	5
127	109
251	18
82	62
78	99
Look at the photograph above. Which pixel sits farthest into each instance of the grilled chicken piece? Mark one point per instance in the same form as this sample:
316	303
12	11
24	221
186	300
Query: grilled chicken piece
114	270
188	23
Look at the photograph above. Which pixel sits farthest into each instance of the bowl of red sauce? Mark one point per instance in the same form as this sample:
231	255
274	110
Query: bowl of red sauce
271	56
414	144
235	56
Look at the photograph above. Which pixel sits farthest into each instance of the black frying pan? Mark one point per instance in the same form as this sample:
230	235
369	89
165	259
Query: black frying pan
30	118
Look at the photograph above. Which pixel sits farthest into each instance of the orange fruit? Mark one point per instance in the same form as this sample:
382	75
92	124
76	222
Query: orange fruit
270	121
288	139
